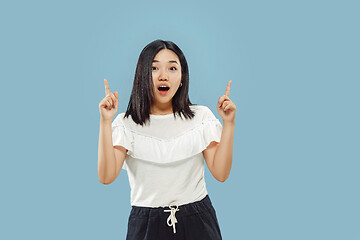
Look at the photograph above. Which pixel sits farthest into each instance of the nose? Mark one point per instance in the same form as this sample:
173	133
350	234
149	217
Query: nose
163	76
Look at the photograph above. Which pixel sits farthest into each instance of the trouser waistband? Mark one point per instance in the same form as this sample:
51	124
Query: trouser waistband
174	211
184	210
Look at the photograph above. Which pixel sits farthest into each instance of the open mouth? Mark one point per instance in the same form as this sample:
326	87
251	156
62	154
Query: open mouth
163	89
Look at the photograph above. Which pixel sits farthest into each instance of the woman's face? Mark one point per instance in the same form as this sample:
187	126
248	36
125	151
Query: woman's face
166	71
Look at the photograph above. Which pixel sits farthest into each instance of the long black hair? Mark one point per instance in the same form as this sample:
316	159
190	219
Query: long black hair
141	98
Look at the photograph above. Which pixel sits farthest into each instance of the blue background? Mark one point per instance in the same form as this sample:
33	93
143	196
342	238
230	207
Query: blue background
294	67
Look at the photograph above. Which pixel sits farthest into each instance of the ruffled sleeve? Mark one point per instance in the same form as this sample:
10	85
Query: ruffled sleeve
211	129
121	136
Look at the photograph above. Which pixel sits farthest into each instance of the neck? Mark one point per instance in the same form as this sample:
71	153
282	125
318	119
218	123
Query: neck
161	109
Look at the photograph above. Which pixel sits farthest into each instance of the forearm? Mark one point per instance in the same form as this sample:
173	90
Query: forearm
224	153
106	155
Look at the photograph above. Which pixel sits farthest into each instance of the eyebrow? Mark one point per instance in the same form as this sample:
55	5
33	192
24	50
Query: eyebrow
171	61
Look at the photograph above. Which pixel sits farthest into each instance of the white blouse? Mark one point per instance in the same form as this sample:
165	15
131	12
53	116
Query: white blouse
164	162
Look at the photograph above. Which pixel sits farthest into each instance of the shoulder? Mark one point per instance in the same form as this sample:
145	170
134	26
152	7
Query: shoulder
199	108
203	112
118	120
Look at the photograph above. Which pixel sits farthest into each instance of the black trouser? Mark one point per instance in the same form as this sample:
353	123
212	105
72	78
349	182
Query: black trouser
193	221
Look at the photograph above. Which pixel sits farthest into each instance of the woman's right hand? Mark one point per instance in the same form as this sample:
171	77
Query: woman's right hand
109	104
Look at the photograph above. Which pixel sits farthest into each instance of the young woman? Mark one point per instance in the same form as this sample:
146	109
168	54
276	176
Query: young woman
162	140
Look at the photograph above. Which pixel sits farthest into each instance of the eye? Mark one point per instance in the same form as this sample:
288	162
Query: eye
173	67
153	68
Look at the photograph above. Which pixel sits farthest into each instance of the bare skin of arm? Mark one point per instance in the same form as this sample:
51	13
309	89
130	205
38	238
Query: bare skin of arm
110	158
218	156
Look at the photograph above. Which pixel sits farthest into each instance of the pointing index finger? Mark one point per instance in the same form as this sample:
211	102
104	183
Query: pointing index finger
107	89
227	91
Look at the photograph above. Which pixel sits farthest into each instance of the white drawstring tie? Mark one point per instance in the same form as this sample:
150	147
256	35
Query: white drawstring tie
172	219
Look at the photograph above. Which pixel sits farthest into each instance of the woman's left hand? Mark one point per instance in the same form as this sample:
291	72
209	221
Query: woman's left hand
226	108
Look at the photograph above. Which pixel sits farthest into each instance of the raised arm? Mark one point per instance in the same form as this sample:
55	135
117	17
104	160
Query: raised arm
107	164
218	156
